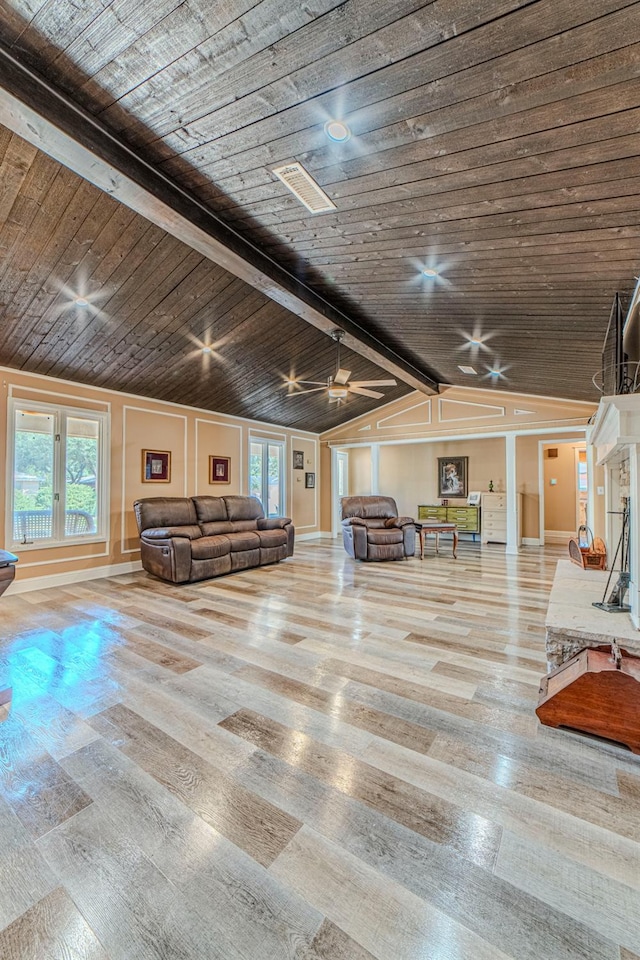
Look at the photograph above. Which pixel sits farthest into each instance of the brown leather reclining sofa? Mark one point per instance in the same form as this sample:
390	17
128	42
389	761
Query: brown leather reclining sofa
183	539
372	529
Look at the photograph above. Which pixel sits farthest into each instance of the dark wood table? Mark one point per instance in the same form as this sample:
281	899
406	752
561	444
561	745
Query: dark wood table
7	569
436	527
7	573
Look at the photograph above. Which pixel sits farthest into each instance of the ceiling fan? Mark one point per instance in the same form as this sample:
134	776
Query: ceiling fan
339	386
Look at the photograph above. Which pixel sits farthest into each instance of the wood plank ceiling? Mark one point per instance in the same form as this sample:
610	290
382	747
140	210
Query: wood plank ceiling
495	142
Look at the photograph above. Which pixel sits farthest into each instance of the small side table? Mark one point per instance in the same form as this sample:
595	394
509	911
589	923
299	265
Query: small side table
435	527
7	573
7	569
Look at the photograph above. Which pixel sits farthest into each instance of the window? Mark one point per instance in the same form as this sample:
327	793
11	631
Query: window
58	457
266	480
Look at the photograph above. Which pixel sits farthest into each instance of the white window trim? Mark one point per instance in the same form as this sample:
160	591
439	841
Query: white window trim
102	517
270	442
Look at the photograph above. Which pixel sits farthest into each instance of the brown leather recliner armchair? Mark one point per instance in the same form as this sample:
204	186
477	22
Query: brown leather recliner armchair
372	529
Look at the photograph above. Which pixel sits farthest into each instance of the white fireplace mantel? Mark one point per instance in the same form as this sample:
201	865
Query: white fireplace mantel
615	435
616	428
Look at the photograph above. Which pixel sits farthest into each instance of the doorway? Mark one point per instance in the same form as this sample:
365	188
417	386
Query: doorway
340	487
564	490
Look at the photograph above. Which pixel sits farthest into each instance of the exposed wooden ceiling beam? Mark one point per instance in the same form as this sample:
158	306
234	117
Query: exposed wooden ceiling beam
47	118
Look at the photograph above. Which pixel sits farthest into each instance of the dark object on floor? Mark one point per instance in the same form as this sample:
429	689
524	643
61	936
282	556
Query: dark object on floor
615	602
183	539
597	691
7	569
372	529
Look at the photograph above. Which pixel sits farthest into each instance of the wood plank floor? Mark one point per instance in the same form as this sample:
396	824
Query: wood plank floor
318	760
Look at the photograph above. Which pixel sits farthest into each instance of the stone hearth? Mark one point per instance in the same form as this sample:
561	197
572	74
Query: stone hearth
573	623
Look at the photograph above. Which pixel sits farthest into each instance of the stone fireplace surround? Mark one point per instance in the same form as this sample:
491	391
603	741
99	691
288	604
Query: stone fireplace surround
572	622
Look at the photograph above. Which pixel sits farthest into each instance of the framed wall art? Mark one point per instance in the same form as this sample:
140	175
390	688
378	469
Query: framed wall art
219	469
452	476
298	459
156	466
310	481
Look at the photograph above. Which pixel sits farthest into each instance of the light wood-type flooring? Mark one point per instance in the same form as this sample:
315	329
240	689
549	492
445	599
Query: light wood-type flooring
318	760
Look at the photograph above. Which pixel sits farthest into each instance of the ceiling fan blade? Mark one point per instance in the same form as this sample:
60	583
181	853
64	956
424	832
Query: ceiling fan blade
365	393
298	393
373	383
315	383
342	376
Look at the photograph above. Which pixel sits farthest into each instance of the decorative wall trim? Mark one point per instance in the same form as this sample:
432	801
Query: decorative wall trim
530	542
73	576
387	422
158	413
442	401
225	425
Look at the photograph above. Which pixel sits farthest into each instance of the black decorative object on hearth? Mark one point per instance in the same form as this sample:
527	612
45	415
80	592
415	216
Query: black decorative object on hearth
615	603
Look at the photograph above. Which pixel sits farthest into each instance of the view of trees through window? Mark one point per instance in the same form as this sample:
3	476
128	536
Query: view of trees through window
38	476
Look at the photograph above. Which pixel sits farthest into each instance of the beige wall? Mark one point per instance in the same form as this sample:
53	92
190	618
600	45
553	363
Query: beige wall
138	423
409	472
360	471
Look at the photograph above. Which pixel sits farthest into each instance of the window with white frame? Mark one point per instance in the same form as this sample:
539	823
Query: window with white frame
58	460
266	475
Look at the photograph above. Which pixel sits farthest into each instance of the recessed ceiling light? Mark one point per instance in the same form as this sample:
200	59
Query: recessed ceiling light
81	302
469	370
429	272
337	131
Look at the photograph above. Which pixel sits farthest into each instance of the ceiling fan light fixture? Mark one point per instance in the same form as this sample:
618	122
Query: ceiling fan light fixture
430	272
81	302
338	392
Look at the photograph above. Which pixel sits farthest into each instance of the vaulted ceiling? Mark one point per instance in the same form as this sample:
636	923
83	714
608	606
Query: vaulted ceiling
493	142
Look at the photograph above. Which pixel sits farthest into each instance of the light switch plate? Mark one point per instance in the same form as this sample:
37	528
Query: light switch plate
600	491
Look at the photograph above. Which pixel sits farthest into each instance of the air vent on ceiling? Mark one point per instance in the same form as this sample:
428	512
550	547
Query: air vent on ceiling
304	188
469	370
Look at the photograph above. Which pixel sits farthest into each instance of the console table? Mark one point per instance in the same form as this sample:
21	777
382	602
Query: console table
466	519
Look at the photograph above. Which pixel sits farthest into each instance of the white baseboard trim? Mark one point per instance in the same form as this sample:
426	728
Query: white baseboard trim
313	536
71	576
558	536
530	542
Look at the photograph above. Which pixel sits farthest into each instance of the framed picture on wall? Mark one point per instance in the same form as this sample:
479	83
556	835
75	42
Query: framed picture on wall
219	469
298	459
310	481
156	466
452	476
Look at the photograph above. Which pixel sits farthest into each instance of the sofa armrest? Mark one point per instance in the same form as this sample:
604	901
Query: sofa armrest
273	523
190	531
399	521
354	522
169	559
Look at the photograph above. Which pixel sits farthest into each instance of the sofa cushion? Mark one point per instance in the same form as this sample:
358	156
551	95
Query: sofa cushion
209	548
164	512
243	540
243	508
383	537
272	538
210	509
216	527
